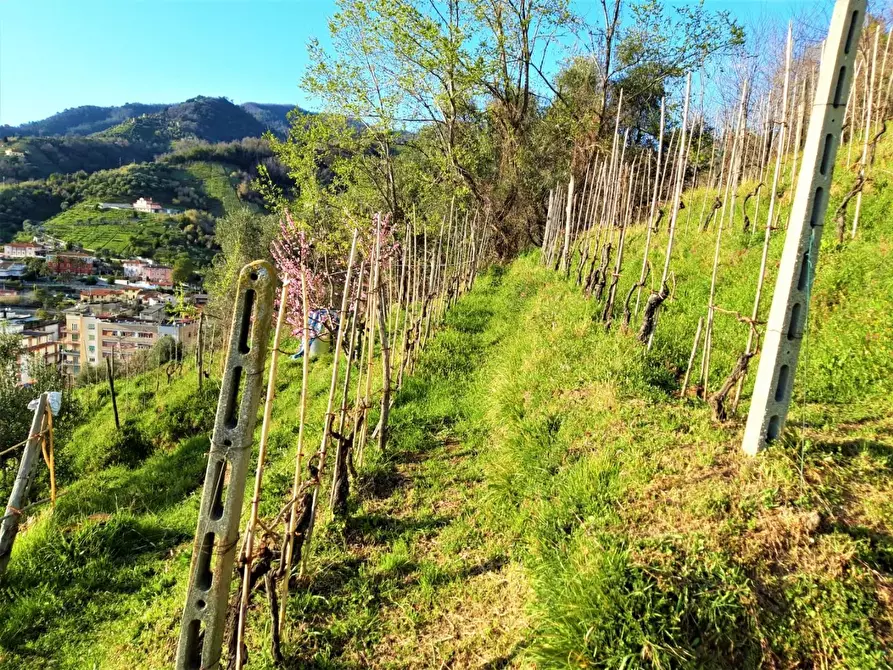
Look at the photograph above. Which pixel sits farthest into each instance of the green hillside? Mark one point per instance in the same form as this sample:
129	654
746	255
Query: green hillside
89	119
209	119
82	120
65	206
218	183
547	498
126	233
44	156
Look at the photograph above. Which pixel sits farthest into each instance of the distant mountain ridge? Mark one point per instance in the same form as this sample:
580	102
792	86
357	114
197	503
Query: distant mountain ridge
206	118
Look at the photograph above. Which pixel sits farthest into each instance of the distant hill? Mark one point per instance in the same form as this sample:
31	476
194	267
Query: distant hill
84	120
274	117
39	157
202	117
209	119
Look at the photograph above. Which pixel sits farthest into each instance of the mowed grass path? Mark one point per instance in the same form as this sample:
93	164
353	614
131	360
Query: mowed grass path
415	579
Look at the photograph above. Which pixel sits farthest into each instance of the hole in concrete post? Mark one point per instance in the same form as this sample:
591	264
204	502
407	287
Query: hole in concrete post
804	272
203	571
219	479
772	429
838	90
793	327
851	32
194	643
781	387
245	324
826	154
231	415
816	207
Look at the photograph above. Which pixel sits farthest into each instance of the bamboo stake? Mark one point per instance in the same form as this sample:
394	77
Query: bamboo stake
568	215
868	117
345	389
649	232
789	49
330	403
371	307
607	315
248	550
708	334
298	478
678	191
691	358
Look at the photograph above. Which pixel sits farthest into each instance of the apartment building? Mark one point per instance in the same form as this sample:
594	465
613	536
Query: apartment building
107	295
90	338
71	262
39	340
42	344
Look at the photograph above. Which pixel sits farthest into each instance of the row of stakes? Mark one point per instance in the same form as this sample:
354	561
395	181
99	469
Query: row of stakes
422	284
583	232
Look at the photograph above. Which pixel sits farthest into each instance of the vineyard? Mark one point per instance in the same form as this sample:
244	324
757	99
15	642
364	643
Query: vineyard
659	436
111	230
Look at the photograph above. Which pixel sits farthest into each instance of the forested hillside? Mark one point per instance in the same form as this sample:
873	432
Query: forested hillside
210	119
84	120
204	154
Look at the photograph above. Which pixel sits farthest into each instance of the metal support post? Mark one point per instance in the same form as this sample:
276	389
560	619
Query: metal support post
790	302
216	538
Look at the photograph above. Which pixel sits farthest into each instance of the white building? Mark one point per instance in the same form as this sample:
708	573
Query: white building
22	250
134	268
147	205
151	207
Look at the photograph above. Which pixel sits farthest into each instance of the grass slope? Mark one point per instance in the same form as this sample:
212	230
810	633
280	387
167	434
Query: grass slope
218	185
547	499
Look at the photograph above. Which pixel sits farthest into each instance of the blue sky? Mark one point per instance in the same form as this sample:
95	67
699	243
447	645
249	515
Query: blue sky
56	54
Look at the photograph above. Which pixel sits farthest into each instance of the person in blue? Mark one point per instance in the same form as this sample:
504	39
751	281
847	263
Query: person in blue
323	325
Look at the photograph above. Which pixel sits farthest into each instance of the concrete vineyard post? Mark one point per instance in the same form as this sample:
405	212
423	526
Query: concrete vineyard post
216	538
790	302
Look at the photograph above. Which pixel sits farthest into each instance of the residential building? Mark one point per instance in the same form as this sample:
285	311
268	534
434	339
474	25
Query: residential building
153	298
106	295
39	339
41	344
15	154
91	338
22	250
134	268
12	270
160	275
147	205
71	262
142	270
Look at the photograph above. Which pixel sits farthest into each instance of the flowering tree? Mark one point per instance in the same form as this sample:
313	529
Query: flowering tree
292	253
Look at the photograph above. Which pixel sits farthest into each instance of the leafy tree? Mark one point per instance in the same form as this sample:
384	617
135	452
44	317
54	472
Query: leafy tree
36	267
243	237
463	70
183	270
